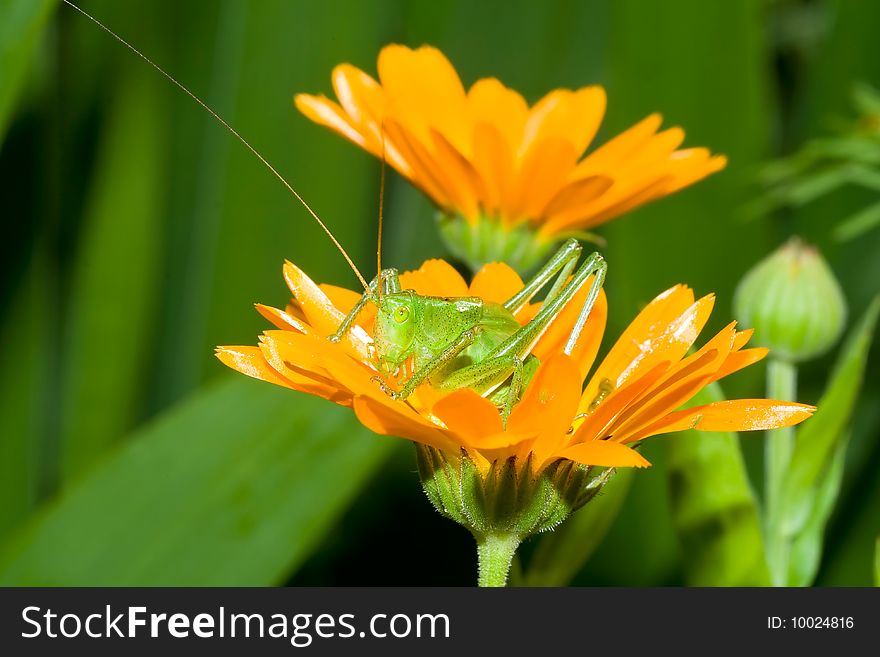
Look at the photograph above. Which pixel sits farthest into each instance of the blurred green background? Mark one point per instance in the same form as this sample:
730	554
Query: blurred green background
138	234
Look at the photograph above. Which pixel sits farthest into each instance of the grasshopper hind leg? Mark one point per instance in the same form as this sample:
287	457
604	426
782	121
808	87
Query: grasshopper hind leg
508	396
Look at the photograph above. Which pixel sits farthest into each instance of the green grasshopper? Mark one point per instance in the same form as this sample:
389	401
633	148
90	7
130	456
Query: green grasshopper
466	342
454	343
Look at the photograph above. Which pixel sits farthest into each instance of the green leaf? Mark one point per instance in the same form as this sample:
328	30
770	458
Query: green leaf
24	385
20	24
714	508
877	563
117	276
819	436
561	553
866	98
866	177
235	486
858	223
811	186
813	482
805	550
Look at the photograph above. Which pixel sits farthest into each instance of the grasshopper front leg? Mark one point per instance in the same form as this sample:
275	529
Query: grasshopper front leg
390	282
441	360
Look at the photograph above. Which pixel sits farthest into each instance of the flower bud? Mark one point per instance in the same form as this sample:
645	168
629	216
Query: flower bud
508	498
793	302
490	240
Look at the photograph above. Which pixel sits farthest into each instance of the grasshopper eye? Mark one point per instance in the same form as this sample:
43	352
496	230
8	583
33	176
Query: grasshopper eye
401	314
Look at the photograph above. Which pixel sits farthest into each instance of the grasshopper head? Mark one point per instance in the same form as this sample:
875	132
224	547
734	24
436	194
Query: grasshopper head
395	329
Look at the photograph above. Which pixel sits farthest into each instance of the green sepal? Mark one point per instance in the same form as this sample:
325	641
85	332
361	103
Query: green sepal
439	482
489	240
508	498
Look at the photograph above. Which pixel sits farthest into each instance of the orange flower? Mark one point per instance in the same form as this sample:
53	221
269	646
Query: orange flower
485	157
634	393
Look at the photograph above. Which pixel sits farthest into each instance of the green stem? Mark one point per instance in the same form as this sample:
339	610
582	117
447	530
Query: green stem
778	448
495	554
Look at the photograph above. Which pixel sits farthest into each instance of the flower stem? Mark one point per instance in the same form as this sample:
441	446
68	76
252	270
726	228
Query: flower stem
778	448
495	554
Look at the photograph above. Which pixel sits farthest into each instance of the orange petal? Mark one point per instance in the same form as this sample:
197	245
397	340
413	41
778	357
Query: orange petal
691	165
427	173
320	312
364	101
391	422
549	404
470	416
742	338
562	114
737	360
425	89
650	161
570	200
541	173
607	207
304	377
663	331
751	415
250	361
435	278
696	363
644	176
325	112
733	415
495	282
342	298
282	319
655	405
620	147
493	158
597	424
315	354
360	96
605	453
498	445
491	103
683	381
459	169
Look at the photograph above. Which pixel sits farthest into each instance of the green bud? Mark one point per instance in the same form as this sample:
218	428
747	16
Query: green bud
508	502
793	302
489	240
509	498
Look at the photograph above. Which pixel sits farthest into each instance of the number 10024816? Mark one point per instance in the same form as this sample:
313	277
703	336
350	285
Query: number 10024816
810	623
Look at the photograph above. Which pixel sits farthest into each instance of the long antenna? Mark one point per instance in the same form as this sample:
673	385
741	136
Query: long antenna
381	214
233	131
